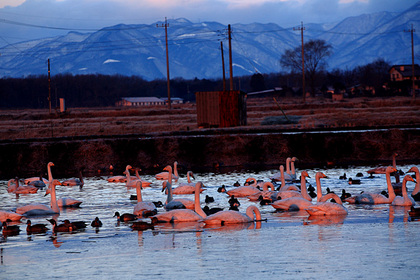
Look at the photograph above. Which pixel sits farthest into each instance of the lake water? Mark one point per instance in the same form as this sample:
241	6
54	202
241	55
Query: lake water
371	242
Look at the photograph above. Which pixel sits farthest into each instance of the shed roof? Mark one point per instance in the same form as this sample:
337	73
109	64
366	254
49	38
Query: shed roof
142	99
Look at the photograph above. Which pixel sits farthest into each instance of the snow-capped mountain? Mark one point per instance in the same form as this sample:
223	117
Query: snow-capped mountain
195	48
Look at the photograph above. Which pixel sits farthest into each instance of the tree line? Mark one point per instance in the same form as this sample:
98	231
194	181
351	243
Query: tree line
102	90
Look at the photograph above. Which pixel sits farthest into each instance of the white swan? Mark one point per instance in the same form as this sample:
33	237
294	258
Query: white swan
7	215
296	203
404	200
327	208
165	175
382	169
178	203
184	215
144	183
246	190
376	198
290	174
143	208
265	193
416	192
74	181
233	217
186	188
284	191
41	209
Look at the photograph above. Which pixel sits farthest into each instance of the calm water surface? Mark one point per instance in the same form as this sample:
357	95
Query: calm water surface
372	242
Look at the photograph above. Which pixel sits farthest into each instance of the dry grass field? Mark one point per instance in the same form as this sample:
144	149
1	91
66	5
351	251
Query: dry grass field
261	113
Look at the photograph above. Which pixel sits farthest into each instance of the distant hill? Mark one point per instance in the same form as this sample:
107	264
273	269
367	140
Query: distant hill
194	48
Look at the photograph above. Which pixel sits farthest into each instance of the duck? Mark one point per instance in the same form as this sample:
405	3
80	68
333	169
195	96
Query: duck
126	217
210	211
42	209
209	199
96	222
416	192
36	228
65	227
234	217
10	230
76	224
343	177
376	198
142	225
354	181
183	215
344	195
327	208
74	181
186	188
414	212
165	175
143	208
234	202
404	200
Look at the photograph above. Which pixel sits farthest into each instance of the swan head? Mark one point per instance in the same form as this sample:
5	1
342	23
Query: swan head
54	183
139	183
128	167
390	169
294	159
168	168
305	174
409	178
50	164
320	175
414	169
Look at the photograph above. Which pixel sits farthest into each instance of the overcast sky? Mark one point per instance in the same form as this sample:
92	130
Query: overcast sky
22	20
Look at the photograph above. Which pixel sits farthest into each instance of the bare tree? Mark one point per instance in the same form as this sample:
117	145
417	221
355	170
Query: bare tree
315	53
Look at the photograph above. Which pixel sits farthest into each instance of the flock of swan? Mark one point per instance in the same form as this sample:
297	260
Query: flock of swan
281	192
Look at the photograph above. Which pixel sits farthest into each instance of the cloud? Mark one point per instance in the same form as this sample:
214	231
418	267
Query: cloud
10	3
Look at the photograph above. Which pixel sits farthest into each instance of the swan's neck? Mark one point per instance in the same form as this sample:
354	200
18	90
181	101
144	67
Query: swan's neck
50	178
283	181
404	189
303	189
197	206
292	164
318	188
127	174
417	187
391	192
54	204
288	160
253	212
176	169
394	161
169	189
138	190
188	177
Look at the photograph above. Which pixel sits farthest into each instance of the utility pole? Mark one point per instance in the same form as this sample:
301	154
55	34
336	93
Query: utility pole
412	30
223	67
303	61
167	61
49	85
230	57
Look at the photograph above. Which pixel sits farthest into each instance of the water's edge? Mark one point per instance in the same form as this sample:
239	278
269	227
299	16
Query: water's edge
208	153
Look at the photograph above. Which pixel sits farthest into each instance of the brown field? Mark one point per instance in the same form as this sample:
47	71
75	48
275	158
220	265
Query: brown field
314	114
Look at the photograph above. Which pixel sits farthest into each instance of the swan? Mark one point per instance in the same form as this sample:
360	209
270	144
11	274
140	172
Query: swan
74	181
41	209
68	202
382	169
50	177
39	183
290	174
246	190
265	193
178	203
234	217
143	208
144	183
326	208
165	175
284	192
184	215
36	228
376	198
25	189
296	203
186	188
7	215
404	200
130	182
416	192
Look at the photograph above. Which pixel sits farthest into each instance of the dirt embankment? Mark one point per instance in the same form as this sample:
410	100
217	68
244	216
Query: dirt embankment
152	137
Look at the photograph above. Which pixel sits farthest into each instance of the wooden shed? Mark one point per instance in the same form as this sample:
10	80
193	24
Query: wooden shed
221	108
